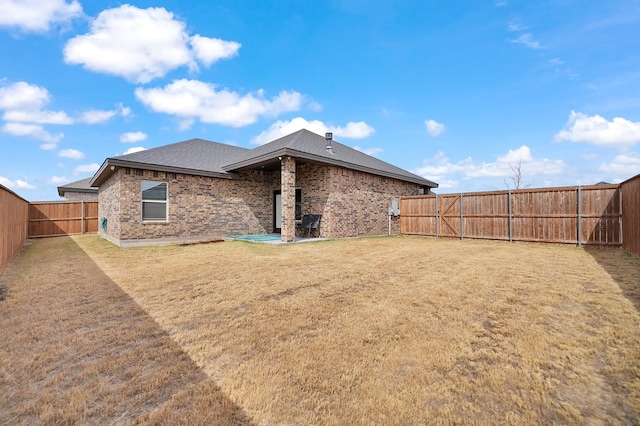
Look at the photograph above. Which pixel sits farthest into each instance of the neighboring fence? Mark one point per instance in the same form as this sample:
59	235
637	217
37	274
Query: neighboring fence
578	215
49	219
13	225
631	215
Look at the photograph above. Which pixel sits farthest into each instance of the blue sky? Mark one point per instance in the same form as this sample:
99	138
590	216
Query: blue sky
455	91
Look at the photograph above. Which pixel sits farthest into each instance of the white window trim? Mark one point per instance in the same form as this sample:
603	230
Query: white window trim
166	202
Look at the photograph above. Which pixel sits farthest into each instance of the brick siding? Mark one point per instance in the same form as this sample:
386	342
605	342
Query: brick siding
201	208
80	196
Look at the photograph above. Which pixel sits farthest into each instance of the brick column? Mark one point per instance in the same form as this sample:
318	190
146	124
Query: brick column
288	191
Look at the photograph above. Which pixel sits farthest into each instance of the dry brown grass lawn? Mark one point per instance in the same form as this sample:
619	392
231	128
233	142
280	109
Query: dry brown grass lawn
393	330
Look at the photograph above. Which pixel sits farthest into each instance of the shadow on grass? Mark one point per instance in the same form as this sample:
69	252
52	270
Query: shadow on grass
76	349
623	267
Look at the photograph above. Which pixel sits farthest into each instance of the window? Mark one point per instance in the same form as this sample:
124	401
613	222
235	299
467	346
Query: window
298	204
154	201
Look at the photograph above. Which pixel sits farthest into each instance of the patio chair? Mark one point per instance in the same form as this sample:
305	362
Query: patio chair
309	222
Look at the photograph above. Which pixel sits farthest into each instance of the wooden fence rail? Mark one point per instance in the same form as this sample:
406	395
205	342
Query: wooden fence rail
13	225
49	219
631	215
578	215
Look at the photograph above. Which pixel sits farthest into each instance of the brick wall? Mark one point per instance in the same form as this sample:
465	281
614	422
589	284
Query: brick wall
109	207
288	191
200	208
352	203
79	196
359	203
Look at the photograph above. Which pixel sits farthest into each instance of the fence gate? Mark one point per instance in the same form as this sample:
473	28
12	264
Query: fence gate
49	219
449	219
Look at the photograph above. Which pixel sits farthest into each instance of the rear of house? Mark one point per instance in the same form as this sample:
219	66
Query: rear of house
200	190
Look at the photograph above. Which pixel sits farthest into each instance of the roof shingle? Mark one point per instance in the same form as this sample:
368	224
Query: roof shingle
205	158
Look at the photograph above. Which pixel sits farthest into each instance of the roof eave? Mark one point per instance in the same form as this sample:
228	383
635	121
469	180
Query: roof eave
105	171
62	189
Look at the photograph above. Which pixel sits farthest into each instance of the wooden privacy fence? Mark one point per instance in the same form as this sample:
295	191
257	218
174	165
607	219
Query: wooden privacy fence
13	225
578	215
49	219
631	215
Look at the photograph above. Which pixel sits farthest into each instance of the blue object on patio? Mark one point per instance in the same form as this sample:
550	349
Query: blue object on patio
256	237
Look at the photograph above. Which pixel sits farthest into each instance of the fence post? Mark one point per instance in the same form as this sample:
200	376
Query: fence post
461	219
82	216
579	216
620	222
510	218
437	218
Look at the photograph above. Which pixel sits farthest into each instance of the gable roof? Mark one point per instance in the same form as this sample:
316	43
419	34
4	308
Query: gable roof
77	186
206	158
194	157
313	147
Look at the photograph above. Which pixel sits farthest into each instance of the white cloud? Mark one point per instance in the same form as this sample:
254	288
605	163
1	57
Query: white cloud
596	130
15	184
56	180
39	117
209	50
142	44
434	128
31	130
133	137
440	168
97	116
353	130
134	149
49	146
513	27
527	40
74	154
192	99
314	106
86	168
623	165
24	116
369	151
185	124
37	15
23	96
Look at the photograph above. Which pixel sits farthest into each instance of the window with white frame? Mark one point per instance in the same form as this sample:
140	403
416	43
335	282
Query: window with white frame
154	201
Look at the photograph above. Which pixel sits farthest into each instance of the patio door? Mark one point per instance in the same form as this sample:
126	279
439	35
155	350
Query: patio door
277	211
277	208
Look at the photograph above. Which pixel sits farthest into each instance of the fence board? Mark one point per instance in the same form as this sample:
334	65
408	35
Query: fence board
48	219
630	192
553	215
13	225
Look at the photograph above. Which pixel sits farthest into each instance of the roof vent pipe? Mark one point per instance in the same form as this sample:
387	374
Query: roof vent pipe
329	138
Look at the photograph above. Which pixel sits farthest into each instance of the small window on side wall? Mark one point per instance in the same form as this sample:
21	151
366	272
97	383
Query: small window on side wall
154	201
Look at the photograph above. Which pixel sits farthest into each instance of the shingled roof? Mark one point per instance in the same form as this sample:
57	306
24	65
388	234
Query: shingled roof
192	157
77	186
307	145
205	158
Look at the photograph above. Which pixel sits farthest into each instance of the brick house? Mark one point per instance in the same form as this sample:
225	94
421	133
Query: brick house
199	190
78	190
